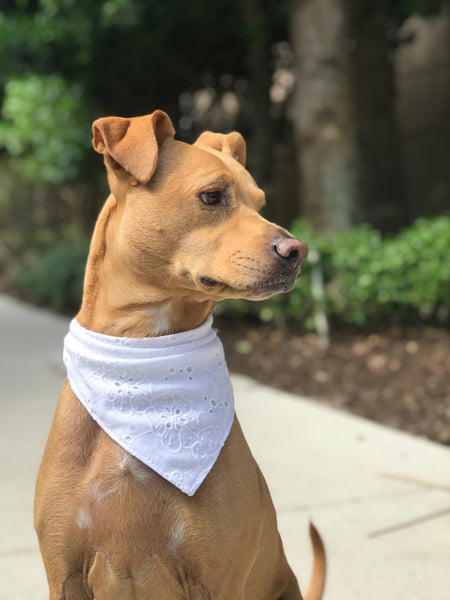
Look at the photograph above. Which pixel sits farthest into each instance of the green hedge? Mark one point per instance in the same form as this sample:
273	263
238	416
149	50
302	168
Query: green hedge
55	279
368	279
399	278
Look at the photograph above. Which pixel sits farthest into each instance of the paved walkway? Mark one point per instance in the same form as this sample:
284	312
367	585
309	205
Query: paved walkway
319	463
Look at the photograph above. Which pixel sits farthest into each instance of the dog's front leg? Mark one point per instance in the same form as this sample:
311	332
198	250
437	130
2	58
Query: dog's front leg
145	580
73	587
66	578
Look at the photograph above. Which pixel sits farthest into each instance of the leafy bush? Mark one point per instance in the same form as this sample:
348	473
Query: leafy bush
399	278
56	278
44	127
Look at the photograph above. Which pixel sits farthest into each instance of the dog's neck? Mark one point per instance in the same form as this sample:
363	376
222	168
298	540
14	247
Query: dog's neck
114	304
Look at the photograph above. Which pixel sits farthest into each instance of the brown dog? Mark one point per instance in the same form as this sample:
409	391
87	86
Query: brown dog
179	231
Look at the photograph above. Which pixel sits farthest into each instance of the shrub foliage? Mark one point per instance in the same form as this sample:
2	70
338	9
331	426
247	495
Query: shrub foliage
56	278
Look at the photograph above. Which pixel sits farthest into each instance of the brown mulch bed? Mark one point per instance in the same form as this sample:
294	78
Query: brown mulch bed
399	377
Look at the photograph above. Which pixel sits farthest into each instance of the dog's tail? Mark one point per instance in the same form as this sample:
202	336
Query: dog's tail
317	583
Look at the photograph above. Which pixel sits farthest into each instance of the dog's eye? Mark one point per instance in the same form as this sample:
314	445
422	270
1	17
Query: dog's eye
211	198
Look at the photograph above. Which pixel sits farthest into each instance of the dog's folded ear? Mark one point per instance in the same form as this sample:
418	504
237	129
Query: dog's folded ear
232	144
133	143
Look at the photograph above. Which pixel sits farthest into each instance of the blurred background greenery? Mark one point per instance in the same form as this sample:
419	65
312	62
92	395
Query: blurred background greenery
345	106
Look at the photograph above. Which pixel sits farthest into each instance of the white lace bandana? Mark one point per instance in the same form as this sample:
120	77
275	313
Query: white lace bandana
167	400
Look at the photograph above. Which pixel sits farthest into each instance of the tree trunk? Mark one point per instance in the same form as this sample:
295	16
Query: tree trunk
323	113
383	202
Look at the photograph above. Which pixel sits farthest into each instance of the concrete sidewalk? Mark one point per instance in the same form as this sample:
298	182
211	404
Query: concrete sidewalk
319	463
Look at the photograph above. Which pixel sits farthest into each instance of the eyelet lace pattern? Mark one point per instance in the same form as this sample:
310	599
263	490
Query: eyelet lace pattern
168	400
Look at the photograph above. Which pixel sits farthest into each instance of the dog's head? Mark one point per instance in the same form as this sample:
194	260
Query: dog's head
189	214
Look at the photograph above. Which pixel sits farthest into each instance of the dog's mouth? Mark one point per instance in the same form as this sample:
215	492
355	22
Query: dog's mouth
283	282
208	282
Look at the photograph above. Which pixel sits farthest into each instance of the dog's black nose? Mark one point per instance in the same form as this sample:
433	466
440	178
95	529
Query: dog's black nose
290	249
